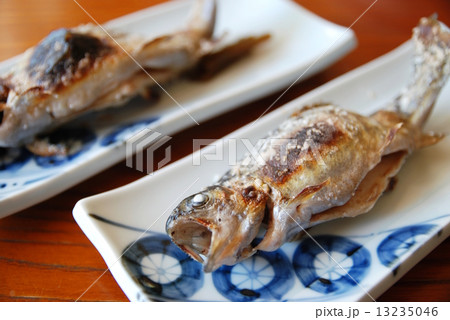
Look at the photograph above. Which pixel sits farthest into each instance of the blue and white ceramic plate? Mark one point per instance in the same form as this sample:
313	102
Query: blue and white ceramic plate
345	260
26	179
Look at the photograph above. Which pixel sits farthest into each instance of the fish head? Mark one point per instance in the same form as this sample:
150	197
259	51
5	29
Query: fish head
217	226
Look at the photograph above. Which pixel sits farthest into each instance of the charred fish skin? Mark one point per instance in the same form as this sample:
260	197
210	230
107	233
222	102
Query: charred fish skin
334	150
85	69
321	164
76	70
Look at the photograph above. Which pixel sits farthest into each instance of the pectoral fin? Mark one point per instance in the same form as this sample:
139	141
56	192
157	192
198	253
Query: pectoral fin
368	191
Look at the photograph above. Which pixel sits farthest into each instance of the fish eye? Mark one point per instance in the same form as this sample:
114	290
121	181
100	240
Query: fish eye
199	200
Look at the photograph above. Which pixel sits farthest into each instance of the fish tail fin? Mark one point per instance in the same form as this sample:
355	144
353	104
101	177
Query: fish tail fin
202	18
431	70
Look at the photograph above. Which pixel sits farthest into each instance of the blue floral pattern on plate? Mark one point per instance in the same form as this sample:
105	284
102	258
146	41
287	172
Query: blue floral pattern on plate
265	276
328	264
20	170
400	242
162	269
331	266
166	273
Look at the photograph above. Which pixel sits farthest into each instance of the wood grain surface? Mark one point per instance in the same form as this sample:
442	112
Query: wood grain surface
44	256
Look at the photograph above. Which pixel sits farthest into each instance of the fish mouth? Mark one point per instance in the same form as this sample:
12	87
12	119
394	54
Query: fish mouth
194	238
211	245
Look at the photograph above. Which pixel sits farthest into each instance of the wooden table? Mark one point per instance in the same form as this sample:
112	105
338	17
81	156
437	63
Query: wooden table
43	253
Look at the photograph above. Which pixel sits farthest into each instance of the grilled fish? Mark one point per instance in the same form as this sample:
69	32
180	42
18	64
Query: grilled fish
322	163
74	71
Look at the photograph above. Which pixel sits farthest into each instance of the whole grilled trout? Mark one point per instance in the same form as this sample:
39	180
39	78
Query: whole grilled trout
86	68
327	163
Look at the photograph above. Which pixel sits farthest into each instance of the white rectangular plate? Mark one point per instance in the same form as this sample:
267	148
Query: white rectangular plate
127	225
301	43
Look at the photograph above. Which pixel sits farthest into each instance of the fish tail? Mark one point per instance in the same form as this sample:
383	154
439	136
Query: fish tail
431	70
203	18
